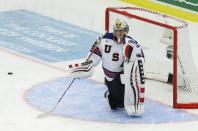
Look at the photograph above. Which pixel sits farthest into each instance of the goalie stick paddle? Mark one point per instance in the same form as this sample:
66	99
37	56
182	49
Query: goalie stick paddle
45	114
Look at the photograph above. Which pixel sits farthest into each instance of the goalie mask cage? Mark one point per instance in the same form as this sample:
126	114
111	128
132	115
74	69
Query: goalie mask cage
148	28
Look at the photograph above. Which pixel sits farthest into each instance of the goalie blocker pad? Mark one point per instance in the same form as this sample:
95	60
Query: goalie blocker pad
81	70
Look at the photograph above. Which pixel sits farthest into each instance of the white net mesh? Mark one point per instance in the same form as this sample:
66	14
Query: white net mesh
186	70
148	28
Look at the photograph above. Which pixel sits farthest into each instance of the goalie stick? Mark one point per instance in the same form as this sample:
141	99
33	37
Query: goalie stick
54	107
97	42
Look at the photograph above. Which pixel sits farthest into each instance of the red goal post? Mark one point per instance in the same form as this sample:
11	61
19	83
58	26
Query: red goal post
179	59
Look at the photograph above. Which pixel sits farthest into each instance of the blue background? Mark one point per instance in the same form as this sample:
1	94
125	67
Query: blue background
43	37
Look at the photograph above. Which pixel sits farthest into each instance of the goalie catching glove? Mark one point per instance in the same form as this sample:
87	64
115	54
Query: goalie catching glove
81	70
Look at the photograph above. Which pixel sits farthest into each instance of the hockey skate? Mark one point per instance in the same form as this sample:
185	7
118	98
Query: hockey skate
111	104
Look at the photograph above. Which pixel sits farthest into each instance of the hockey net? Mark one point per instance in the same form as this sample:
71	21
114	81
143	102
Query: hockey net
167	50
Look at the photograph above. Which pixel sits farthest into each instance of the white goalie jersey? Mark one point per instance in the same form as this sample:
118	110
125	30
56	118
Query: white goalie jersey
112	54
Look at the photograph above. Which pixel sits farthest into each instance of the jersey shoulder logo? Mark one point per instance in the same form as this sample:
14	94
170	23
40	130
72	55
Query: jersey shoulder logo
134	42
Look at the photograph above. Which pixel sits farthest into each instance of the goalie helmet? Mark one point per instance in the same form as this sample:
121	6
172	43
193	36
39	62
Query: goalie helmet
120	29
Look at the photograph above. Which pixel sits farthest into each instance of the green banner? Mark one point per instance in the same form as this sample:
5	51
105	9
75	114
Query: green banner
187	4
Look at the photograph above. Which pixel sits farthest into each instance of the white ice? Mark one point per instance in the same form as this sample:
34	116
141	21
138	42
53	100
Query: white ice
17	115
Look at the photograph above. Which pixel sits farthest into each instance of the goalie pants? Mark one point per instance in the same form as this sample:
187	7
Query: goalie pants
116	92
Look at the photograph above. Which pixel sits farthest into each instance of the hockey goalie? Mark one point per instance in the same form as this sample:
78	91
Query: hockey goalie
122	62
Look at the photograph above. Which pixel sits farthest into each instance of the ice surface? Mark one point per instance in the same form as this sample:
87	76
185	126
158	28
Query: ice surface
17	115
85	100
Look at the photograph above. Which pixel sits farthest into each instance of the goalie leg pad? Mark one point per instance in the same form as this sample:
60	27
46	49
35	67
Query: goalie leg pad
134	87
